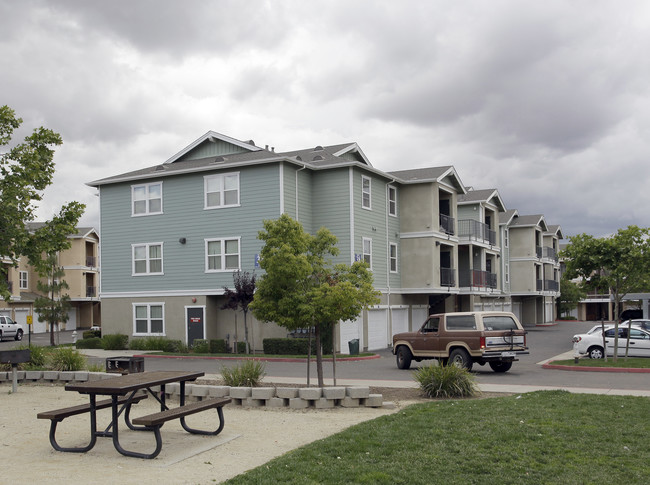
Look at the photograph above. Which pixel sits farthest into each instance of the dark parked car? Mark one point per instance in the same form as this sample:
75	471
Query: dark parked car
631	314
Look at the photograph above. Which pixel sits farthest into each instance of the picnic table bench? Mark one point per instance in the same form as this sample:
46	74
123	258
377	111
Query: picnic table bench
125	391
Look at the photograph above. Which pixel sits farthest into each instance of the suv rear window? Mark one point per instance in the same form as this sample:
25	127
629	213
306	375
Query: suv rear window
461	322
499	323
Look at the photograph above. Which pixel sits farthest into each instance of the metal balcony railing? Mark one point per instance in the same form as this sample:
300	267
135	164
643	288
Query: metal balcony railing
91	291
551	285
447	277
91	261
538	251
477	278
549	253
476	230
447	224
540	285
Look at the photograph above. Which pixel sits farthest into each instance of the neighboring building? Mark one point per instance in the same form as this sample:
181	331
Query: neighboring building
81	266
173	235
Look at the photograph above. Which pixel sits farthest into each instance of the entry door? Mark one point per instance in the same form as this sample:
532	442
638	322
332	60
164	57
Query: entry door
195	323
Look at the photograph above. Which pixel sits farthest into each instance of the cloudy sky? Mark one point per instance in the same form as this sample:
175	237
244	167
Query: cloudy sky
546	101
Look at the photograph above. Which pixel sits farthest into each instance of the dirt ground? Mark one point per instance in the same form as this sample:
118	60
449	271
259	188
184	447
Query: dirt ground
251	437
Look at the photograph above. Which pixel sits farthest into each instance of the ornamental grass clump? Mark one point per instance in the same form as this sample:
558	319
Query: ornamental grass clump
247	374
66	359
446	381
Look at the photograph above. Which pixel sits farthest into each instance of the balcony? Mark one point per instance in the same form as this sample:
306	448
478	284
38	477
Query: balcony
447	277
447	224
549	253
91	261
540	285
478	279
91	291
477	231
551	285
538	252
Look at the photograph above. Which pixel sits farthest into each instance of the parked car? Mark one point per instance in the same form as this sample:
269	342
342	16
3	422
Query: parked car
591	344
495	338
631	314
10	329
638	322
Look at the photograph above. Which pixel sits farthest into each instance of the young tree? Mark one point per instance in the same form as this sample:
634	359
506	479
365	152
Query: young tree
301	288
620	262
26	170
52	308
570	295
241	297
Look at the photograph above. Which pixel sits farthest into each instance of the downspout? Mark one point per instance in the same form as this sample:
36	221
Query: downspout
299	170
390	311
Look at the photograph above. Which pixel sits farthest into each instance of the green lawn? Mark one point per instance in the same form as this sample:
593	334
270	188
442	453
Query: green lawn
630	363
549	437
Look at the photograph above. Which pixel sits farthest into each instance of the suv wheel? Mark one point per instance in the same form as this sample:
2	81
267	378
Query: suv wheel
500	366
461	358
403	357
19	335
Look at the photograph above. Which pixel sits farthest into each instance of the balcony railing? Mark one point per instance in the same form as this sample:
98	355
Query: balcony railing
91	261
549	253
540	285
447	277
476	230
477	278
538	251
447	224
91	291
551	285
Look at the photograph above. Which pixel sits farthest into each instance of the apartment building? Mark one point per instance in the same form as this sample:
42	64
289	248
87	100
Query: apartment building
81	265
174	233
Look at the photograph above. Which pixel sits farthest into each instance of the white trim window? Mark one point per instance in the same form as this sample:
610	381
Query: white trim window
366	202
146	199
23	279
392	257
221	190
222	255
392	200
148	319
367	251
147	259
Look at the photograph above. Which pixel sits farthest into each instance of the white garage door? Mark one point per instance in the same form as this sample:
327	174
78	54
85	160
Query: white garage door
400	320
71	324
349	331
419	315
377	329
39	327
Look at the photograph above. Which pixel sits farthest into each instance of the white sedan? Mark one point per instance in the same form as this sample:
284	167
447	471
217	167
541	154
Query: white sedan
591	344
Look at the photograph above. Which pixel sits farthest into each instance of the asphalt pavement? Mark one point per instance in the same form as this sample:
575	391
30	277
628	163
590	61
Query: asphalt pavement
545	343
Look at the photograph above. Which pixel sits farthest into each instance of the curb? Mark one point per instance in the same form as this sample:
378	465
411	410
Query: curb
263	359
615	370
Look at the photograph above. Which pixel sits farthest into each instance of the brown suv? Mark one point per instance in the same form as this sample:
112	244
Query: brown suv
464	338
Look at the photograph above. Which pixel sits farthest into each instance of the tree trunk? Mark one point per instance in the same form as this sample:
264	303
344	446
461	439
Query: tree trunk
319	358
334	353
248	349
309	358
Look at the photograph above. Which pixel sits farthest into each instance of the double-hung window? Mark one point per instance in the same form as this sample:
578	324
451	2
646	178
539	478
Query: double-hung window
392	200
365	192
146	199
222	255
148	319
392	257
221	190
367	251
23	275
147	259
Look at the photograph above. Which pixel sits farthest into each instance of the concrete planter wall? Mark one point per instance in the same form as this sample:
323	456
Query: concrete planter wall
291	397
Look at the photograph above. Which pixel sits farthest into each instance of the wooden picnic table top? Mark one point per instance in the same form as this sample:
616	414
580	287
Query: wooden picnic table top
121	385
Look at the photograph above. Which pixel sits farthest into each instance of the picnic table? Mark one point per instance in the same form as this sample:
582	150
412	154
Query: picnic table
124	391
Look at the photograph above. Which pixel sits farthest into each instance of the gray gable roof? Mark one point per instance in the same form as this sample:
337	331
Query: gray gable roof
430	174
530	221
505	218
484	195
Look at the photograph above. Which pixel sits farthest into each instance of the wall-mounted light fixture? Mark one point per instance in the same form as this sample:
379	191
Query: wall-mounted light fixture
182	240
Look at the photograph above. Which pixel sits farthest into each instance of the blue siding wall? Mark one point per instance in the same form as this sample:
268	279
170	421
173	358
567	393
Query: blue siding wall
331	207
184	217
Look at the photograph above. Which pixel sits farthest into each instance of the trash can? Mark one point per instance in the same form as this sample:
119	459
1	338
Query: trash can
354	346
125	365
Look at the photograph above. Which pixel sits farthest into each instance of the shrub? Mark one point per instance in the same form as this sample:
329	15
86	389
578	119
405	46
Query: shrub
66	359
92	334
241	347
90	343
249	373
201	346
218	346
176	346
445	381
115	341
293	346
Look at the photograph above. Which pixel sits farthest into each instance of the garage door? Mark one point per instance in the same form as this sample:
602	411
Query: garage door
71	324
419	315
38	327
400	320
377	329
348	331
